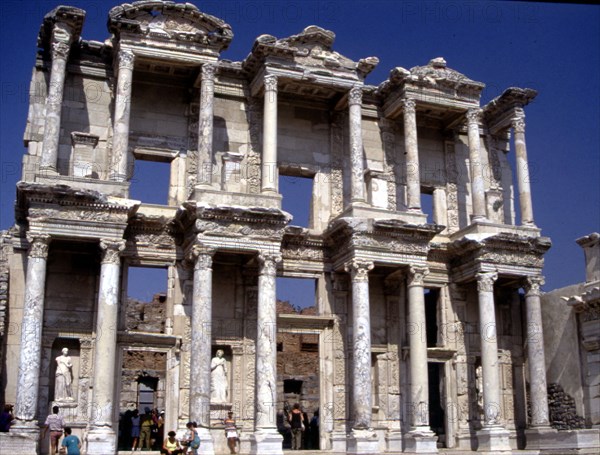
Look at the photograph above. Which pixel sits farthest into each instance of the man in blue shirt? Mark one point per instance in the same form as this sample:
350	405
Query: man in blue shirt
71	442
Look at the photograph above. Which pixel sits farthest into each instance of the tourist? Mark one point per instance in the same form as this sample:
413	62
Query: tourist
192	438
54	423
135	429
231	432
71	443
6	418
146	431
296	419
314	431
171	445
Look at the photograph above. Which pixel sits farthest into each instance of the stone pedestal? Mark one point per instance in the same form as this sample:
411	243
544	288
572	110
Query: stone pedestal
362	442
338	441
540	438
393	441
494	439
266	441
421	440
101	441
22	441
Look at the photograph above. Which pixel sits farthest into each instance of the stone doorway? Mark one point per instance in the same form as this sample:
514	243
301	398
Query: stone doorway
437	410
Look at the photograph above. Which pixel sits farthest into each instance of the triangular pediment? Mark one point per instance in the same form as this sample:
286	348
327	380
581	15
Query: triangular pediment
169	21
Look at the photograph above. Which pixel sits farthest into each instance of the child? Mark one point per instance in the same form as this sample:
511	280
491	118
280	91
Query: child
71	443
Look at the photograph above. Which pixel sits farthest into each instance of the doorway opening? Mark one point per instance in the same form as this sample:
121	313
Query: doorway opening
437	414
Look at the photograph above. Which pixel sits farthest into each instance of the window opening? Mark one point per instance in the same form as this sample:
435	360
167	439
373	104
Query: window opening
296	192
296	295
431	316
150	181
146	299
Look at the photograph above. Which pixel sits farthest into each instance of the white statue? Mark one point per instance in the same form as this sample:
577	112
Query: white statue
64	377
218	376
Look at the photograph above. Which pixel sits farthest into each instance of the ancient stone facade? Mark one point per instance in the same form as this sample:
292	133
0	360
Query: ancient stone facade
423	338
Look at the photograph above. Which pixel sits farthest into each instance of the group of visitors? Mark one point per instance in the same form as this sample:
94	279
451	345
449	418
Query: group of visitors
142	431
298	432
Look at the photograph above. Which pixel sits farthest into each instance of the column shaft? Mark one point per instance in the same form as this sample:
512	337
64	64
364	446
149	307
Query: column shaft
536	362
120	166
200	353
105	350
477	184
419	380
411	149
205	126
489	348
523	178
266	344
269	156
28	375
357	187
362	401
60	54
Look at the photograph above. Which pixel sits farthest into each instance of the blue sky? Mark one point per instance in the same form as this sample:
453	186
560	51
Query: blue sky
553	48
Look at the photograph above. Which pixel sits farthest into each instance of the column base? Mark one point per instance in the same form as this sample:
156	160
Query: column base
540	438
101	441
266	442
421	440
338	441
206	441
362	442
22	439
393	440
494	439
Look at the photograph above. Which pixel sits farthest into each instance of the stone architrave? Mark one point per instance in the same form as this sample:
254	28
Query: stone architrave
477	184
120	145
28	376
421	438
522	165
61	44
102	437
205	126
266	439
535	354
269	155
411	148
363	438
201	339
357	187
492	436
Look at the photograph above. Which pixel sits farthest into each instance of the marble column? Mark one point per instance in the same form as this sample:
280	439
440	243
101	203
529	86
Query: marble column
205	126
357	182
102	437
120	165
523	178
477	184
538	392
266	439
61	43
362	439
493	436
269	182
201	343
421	438
28	374
411	150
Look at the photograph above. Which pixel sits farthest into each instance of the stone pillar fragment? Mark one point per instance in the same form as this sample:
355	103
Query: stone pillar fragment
493	436
538	391
28	375
200	350
357	188
523	178
269	157
120	147
421	438
205	126
102	437
266	439
61	44
477	184
411	148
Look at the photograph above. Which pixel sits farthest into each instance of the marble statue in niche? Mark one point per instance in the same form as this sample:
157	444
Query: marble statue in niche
63	390
218	376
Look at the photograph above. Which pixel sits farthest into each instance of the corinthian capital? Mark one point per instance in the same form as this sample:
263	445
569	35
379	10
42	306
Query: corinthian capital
202	256
208	72
359	269
60	50
268	262
126	58
355	95
111	251
270	83
410	106
473	116
485	281
38	246
532	285
416	276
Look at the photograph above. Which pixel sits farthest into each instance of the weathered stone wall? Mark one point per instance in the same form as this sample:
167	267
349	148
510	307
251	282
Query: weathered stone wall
147	316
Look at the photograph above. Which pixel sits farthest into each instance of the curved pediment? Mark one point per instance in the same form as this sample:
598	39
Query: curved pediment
169	21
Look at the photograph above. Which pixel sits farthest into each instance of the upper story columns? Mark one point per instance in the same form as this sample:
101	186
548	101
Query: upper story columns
269	155
205	126
411	147
357	186
523	178
477	184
